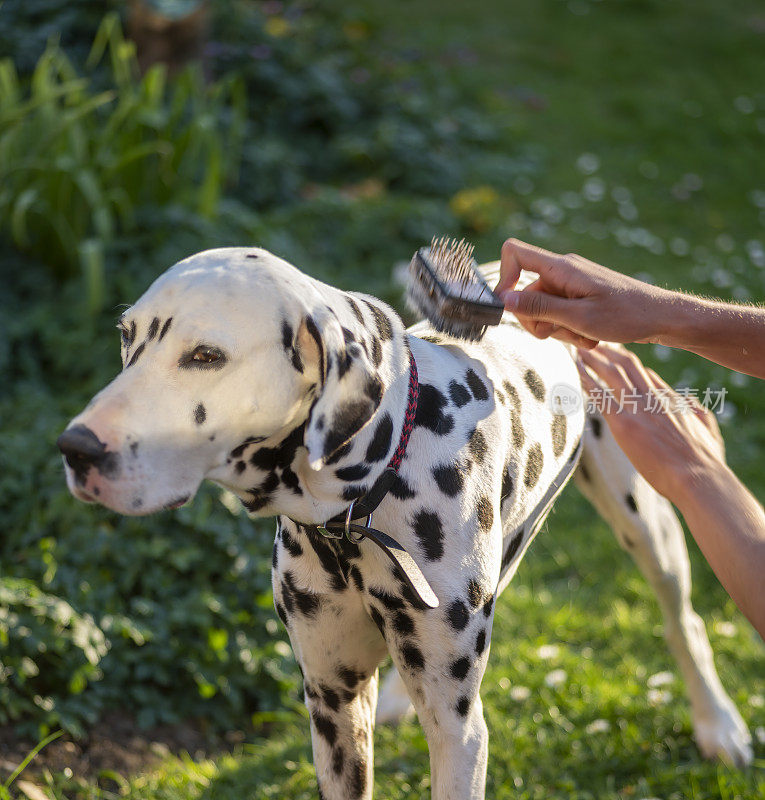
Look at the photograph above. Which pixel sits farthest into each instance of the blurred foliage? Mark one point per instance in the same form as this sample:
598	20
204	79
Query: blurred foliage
77	162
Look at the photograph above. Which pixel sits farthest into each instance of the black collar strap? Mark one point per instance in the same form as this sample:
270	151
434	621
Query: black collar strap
343	525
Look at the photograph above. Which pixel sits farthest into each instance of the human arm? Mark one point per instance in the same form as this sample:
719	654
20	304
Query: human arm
681	454
582	302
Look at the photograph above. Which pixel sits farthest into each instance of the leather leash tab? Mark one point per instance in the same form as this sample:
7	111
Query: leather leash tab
411	573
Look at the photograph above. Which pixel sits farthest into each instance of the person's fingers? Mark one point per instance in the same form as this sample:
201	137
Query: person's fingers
571	337
535	259
509	269
631	365
538	305
610	373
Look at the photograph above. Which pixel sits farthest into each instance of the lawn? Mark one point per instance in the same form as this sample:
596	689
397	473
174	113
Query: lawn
639	132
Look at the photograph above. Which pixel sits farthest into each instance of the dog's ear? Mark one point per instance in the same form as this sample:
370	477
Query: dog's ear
349	389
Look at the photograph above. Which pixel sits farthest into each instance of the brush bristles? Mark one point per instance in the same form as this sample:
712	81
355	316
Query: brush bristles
446	288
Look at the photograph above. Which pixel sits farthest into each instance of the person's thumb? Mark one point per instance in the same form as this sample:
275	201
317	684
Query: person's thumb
537	305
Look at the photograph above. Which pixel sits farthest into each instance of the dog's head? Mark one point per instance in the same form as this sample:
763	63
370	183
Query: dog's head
230	346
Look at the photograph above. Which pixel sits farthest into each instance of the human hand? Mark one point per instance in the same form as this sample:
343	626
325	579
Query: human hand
673	448
578	301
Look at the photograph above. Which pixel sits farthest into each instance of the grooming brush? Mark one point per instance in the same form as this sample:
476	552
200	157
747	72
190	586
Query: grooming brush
447	288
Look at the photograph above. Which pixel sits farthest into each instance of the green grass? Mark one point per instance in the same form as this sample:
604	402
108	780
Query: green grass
653	90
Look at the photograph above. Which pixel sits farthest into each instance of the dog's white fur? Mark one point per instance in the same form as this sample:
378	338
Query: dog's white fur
265	423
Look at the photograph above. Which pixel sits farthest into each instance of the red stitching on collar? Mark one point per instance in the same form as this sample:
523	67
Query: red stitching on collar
411	411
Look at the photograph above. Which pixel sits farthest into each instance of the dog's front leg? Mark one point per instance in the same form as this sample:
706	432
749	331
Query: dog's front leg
441	656
338	649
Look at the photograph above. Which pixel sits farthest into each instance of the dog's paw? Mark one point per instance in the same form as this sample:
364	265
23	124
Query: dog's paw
393	703
724	735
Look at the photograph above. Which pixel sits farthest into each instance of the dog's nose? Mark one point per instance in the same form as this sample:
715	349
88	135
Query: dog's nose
81	447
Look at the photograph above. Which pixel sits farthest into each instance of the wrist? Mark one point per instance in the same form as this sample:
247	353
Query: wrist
700	484
676	318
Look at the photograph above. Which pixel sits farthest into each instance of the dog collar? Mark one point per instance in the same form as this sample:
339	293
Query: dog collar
343	525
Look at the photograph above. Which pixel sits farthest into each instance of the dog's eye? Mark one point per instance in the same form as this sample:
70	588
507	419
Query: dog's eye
202	357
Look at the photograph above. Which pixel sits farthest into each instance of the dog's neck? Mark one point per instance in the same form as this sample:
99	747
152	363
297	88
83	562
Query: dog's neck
276	478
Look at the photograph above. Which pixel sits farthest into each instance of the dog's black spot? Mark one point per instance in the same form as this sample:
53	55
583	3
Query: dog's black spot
507	485
281	613
413	657
240	467
487	606
378	619
401	490
339	454
449	478
134	449
270	483
294	547
329	560
338	760
533	466
402	623
485	513
200	414
347	335
353	473
459	394
480	642
477	386
321	422
377	353
307	602
459	668
427	527
477	446
515	415
383	323
380	444
239	449
458	615
275	551
356	310
130	333
512	549
324	727
291	480
137	354
330	697
153	328
282	455
559	427
347	421
357	578
430	411
597	426
287	598
373	389
463	706
349	676
165	328
252	255
534	382
390	601
357	779
631	503
474	593
354	491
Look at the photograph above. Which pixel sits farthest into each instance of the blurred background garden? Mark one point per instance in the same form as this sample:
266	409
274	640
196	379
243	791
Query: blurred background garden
342	136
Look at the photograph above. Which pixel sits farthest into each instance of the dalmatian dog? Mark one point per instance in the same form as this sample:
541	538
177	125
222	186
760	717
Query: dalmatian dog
240	369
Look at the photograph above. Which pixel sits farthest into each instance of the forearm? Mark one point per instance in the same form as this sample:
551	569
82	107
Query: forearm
727	334
728	524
